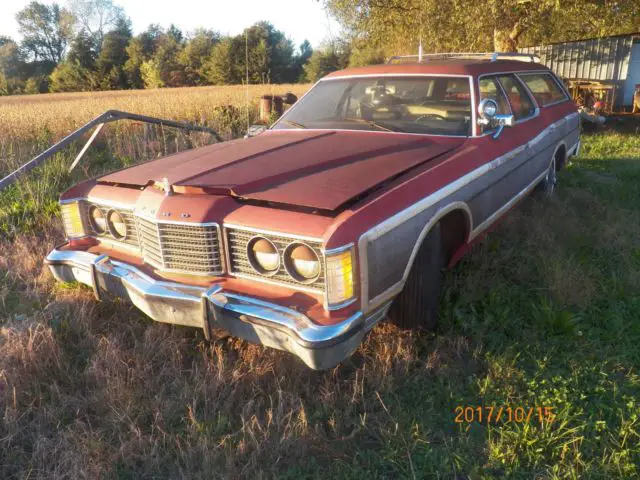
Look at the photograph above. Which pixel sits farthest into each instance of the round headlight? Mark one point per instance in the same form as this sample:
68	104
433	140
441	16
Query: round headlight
302	262
117	226
263	256
97	220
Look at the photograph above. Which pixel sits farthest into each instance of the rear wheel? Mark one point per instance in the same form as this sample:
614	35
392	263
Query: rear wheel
416	307
548	184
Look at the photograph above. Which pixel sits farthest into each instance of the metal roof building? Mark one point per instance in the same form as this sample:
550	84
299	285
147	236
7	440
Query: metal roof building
613	60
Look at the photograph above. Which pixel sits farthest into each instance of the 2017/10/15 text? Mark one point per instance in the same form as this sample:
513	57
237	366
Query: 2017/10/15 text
495	414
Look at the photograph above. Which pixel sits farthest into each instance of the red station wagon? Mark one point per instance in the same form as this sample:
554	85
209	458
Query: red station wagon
345	210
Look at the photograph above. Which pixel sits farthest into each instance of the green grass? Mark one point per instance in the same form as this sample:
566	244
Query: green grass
544	312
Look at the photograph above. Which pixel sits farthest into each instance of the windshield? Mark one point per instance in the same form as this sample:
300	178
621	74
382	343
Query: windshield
425	105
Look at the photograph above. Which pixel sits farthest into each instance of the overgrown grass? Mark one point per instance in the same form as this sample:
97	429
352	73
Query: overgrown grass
544	312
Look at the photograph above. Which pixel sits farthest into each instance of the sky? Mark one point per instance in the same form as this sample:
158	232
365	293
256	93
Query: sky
298	19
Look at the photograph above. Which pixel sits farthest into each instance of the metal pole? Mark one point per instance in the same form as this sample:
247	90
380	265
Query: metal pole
86	146
107	117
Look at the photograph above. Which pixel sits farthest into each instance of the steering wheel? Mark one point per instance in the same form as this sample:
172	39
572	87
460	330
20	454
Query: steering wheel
430	116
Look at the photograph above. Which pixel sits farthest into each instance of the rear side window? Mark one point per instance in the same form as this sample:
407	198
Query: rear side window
544	88
521	103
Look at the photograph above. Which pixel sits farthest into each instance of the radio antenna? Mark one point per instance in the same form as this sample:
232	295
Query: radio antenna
246	66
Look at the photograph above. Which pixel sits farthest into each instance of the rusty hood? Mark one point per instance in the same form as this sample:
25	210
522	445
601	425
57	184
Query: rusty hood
314	169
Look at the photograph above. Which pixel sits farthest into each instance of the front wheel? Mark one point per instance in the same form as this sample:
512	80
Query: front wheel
416	307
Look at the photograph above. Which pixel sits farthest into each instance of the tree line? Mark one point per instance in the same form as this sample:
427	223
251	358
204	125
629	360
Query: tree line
89	45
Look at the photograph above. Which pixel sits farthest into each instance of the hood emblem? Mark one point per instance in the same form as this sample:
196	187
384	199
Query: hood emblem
166	186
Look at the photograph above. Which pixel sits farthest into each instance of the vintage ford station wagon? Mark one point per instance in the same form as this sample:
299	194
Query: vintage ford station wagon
339	215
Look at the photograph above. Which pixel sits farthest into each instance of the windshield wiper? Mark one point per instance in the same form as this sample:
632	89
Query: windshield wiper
293	124
373	124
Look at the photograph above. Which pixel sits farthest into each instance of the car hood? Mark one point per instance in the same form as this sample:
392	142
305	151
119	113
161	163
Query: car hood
315	169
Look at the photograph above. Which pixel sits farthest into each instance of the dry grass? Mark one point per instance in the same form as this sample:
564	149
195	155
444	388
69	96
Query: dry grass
26	116
544	312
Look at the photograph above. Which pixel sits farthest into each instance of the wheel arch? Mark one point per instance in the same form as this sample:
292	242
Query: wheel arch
562	148
451	214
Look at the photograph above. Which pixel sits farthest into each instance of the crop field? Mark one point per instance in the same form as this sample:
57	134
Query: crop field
542	316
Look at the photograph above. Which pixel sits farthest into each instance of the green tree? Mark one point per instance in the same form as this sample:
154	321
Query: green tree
83	50
193	56
397	26
70	76
326	60
46	30
10	58
113	57
304	54
270	57
150	74
219	68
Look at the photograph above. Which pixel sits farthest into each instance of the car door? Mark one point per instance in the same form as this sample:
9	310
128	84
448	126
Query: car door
513	159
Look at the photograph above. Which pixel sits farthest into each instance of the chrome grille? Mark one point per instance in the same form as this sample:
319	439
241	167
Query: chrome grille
173	247
237	241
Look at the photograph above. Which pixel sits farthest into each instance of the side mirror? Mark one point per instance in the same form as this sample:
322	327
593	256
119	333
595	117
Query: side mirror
255	130
488	111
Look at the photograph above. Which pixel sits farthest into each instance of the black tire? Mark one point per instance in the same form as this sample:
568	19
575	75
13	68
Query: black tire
416	307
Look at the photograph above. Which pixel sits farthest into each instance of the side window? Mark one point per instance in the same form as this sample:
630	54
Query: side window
544	88
521	104
490	89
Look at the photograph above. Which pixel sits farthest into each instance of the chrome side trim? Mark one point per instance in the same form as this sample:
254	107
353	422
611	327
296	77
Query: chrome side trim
399	218
370	304
498	213
333	251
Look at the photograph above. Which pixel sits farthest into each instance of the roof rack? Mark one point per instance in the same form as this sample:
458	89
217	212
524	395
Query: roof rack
492	56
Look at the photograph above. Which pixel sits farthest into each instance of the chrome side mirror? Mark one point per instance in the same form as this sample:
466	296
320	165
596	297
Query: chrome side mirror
488	111
255	130
502	120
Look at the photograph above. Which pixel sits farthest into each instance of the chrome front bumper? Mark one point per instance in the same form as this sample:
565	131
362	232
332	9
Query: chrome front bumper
249	318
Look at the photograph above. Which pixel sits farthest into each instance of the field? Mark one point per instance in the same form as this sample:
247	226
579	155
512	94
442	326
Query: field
543	313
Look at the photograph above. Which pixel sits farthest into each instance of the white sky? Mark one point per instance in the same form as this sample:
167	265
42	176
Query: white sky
298	19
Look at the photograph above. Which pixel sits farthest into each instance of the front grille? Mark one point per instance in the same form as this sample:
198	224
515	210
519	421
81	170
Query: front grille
173	247
237	241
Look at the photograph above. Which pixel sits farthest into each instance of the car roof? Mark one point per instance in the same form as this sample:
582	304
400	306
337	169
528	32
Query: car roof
454	66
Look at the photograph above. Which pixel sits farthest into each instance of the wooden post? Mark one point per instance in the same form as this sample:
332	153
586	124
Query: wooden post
270	104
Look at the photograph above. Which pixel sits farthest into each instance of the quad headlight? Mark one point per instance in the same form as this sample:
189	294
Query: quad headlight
301	262
97	220
263	256
117	225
